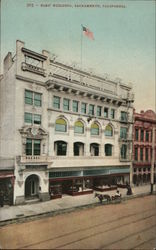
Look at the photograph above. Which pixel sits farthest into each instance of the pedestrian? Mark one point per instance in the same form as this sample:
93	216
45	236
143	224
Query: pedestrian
100	198
117	193
1	198
129	190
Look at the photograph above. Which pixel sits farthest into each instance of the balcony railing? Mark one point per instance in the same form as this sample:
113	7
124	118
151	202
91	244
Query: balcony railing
35	159
128	120
126	138
127	159
32	68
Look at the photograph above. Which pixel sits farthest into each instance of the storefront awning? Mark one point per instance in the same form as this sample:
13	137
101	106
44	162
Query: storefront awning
89	172
2	176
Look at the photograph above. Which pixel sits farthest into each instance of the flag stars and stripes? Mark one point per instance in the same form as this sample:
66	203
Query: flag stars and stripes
87	33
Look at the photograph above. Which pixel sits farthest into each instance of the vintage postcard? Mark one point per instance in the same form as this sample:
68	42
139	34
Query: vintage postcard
77	124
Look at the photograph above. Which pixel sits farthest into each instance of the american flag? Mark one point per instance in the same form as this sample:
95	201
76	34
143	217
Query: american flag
88	33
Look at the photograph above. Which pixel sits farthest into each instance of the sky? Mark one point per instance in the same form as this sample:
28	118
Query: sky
124	32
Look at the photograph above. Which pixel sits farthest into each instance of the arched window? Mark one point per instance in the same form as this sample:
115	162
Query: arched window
60	147
108	149
94	129
109	130
78	149
94	149
79	127
61	125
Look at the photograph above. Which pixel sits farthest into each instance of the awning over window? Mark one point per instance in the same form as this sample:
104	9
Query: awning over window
6	175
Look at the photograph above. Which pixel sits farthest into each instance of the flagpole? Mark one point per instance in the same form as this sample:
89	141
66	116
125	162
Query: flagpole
81	46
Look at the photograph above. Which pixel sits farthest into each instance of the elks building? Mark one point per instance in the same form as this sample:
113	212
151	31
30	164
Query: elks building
144	148
63	130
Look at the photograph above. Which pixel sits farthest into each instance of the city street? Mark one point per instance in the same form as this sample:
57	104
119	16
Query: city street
128	225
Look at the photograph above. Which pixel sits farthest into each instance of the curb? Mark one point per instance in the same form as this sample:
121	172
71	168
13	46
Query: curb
22	218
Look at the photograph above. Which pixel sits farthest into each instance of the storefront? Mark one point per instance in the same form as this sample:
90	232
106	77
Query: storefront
7	186
85	181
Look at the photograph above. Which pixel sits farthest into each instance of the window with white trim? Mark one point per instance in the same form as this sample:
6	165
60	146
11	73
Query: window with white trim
33	98
32	118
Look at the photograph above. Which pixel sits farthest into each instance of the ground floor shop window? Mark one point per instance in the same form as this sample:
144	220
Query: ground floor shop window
6	189
141	179
55	190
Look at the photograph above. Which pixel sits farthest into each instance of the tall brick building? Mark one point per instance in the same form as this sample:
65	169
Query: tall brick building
144	147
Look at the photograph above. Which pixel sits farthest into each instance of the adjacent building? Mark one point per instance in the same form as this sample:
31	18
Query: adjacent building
63	130
144	148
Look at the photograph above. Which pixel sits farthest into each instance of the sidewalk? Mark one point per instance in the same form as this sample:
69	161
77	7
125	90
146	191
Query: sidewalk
10	214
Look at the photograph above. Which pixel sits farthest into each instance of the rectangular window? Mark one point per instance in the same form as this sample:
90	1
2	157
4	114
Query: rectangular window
83	108
146	154
147	136
37	119
37	147
152	135
75	106
28	97
33	147
98	111
108	150
142	135
136	134
91	109
123	151
151	153
123	133
28	118
112	114
56	102
33	98
29	147
141	154
106	112
37	99
65	104
124	116
32	118
136	154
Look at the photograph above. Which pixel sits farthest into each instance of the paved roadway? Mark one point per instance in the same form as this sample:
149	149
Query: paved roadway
128	225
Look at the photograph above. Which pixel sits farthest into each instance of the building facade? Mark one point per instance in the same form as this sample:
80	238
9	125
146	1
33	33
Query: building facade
144	148
65	131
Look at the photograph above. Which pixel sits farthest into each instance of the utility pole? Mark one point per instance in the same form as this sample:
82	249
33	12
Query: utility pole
153	158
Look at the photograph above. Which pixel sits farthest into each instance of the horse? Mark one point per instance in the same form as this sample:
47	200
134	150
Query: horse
102	197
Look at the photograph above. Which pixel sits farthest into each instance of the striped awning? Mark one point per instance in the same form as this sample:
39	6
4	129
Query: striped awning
5	175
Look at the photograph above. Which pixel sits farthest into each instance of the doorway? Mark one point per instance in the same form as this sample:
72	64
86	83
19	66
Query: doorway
32	186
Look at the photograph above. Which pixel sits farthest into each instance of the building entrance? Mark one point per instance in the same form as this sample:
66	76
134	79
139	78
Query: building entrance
32	186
